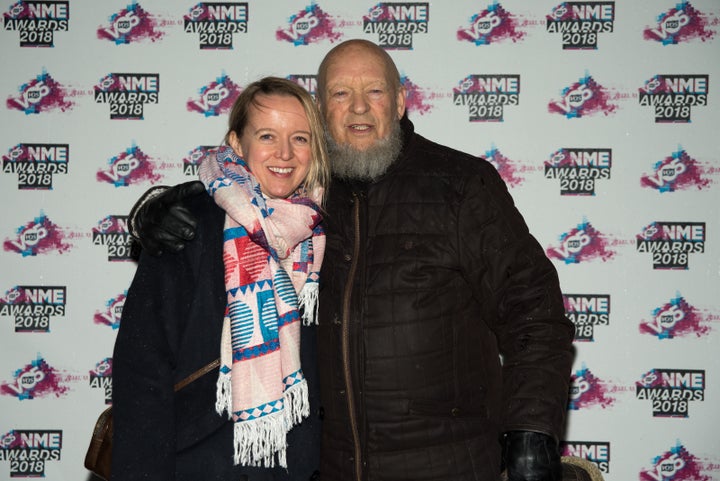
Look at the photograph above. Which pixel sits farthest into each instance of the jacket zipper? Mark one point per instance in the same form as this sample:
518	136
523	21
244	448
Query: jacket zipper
346	341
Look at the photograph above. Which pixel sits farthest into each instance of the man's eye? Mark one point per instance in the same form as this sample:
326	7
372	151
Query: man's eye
340	94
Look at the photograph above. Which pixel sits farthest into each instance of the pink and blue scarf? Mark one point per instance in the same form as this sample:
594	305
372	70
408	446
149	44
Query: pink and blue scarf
272	252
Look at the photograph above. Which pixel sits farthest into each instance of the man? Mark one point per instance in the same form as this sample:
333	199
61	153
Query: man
442	343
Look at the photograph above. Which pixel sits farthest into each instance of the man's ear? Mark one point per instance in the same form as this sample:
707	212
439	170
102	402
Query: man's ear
400	100
235	144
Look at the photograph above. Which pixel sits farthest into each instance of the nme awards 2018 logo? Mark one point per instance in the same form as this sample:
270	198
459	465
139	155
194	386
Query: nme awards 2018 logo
192	161
678	464
306	81
492	25
671	390
127	93
676	318
581	22
35	380
597	452
671	243
132	166
101	378
33	306
581	244
681	23
41	94
673	96
578	169
216	23
39	236
112	231
587	390
487	95
35	164
216	98
36	22
29	450
678	171
397	23
587	311
583	98
112	314
309	25
130	24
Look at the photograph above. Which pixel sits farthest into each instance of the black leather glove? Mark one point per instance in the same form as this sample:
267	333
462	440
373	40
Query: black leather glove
531	456
160	222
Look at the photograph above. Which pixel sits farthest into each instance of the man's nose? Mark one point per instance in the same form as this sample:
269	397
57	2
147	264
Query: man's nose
359	104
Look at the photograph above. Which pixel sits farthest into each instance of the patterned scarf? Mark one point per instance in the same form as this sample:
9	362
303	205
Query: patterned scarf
272	252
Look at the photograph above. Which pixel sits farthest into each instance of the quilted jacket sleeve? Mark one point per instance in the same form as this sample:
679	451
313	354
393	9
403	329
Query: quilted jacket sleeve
519	289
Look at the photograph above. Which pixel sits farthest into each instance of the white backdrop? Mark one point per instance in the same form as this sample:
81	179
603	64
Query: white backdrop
601	116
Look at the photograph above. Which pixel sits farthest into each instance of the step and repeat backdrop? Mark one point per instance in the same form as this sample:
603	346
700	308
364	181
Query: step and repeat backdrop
601	116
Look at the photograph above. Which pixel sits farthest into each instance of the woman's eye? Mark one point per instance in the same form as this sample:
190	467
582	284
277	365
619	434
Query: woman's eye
302	139
266	137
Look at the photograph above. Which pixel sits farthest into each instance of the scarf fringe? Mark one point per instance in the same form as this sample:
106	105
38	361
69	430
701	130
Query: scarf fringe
223	397
308	301
257	442
260	441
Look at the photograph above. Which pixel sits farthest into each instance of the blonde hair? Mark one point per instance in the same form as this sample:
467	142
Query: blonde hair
319	173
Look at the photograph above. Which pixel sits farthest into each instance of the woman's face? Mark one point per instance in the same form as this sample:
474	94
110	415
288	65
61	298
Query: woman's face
275	143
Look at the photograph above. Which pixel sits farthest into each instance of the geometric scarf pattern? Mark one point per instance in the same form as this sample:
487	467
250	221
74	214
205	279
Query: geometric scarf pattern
272	252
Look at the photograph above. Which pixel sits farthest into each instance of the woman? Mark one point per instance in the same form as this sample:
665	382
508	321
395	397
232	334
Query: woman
238	293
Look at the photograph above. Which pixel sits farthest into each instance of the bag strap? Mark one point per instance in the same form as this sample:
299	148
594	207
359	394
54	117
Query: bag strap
199	373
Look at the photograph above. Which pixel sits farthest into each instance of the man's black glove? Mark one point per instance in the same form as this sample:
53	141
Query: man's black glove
160	222
531	456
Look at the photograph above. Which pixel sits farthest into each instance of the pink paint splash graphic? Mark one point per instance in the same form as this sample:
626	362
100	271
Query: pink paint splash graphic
416	99
308	26
130	167
41	94
102	368
505	167
586	391
581	244
492	25
676	172
35	380
584	98
676	318
111	224
216	98
113	311
39	236
677	464
131	25
682	23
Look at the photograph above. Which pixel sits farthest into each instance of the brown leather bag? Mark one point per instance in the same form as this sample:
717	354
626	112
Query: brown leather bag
99	454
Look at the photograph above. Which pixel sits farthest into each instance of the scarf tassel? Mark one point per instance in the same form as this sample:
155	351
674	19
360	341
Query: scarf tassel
308	301
260	441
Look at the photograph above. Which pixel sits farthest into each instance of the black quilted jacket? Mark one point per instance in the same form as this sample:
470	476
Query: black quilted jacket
430	275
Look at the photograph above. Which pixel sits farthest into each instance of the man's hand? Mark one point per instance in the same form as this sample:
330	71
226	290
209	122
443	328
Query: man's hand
531	456
160	222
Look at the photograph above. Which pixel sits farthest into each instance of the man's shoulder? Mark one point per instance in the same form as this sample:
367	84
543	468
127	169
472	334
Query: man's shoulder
444	160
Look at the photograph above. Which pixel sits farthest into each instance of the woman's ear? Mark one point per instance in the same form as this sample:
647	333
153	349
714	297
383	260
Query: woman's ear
234	143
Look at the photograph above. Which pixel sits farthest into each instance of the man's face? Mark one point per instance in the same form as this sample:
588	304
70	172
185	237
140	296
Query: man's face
361	103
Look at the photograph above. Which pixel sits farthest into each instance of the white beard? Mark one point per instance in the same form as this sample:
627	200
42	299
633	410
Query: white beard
348	162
